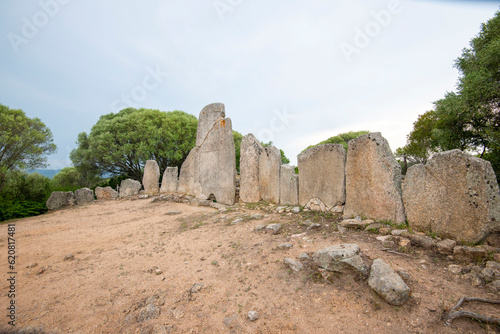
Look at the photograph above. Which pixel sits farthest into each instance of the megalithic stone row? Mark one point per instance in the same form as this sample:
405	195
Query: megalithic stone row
170	180
151	177
210	168
455	195
322	175
250	152
269	174
289	186
373	180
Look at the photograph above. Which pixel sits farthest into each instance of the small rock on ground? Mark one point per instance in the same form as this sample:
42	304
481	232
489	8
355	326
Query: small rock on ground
389	285
273	228
294	265
253	315
285	246
173	212
236	221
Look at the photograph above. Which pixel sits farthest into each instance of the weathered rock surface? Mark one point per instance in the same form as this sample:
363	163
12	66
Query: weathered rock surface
446	246
473	254
340	257
273	228
170	180
250	152
105	193
189	173
60	199
129	187
210	168
289	185
253	315
84	195
151	177
294	265
322	175
455	195
388	284
373	180
269	174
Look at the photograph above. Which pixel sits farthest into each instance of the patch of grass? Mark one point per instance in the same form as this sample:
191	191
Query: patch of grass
214	263
252	205
197	225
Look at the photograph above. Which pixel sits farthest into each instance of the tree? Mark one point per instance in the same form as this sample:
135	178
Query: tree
341	138
68	179
120	144
24	142
469	118
237	147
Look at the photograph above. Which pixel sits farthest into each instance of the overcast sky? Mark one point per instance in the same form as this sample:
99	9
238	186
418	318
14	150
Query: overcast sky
294	72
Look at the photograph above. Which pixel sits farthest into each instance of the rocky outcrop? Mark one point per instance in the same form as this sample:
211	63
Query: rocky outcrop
60	199
250	152
454	195
340	257
322	176
373	180
129	187
169	181
151	178
269	174
84	195
289	186
105	193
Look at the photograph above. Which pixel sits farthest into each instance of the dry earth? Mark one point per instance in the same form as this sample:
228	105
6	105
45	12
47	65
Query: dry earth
94	269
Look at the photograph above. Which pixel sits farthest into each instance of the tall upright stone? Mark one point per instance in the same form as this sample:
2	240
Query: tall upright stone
289	186
455	195
322	175
210	168
269	174
373	180
170	180
151	177
250	152
189	173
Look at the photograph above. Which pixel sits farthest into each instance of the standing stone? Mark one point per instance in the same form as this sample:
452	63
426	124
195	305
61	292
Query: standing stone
151	177
269	174
389	285
169	181
322	175
105	193
60	199
189	173
84	195
289	186
129	187
209	117
210	169
454	195
373	180
217	164
251	150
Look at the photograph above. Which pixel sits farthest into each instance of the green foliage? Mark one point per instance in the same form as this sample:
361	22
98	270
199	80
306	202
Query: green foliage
24	142
342	138
120	144
23	195
469	118
237	147
284	159
68	179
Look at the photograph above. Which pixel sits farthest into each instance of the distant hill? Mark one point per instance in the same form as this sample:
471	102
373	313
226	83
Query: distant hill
45	172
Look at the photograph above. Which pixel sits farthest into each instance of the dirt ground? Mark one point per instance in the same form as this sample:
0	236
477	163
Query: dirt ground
95	268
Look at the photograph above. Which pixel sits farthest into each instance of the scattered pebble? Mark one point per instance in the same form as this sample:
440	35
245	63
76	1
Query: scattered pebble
253	315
